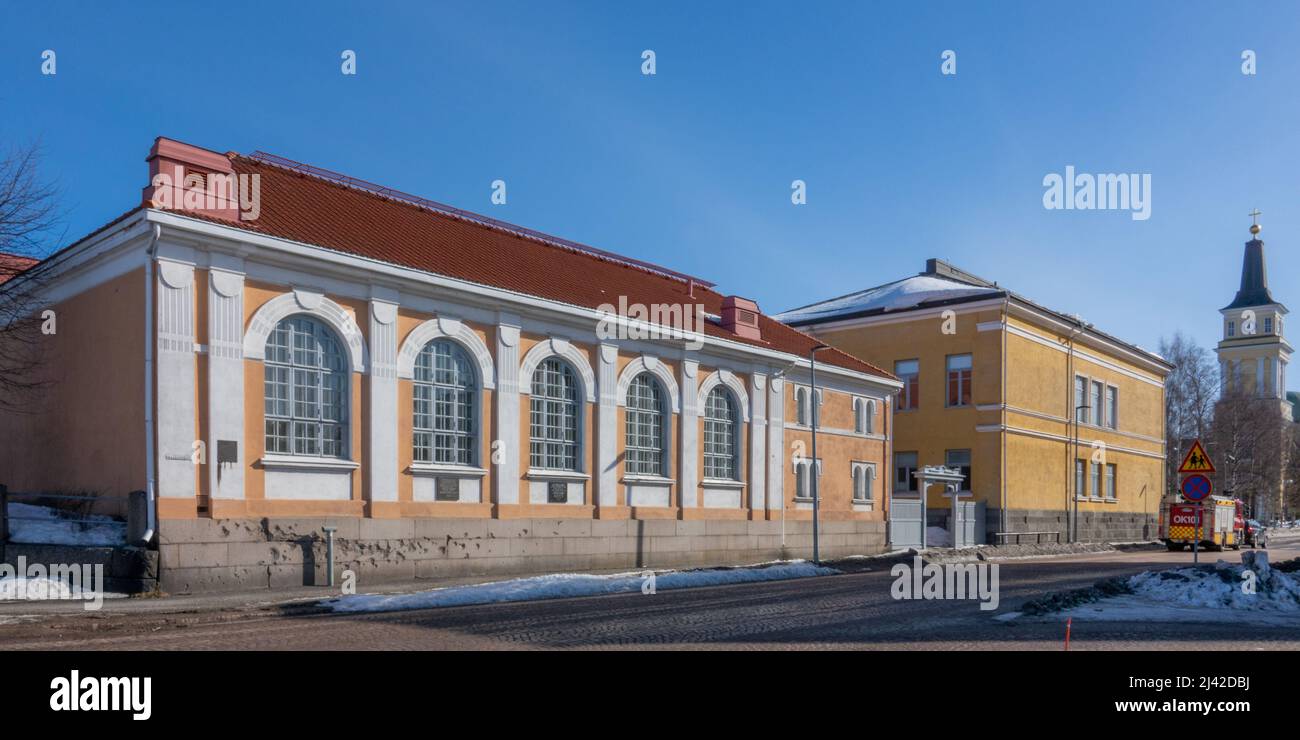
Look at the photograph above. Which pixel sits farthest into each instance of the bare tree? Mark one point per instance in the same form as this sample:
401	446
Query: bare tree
1191	390
28	217
1250	440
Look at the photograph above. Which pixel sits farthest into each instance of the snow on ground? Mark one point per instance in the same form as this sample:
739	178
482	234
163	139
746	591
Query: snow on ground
1206	593
568	585
937	537
47	589
43	525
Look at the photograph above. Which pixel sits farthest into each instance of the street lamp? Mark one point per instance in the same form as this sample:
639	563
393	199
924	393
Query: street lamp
812	470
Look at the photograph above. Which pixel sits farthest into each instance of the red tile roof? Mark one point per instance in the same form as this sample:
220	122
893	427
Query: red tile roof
12	264
354	219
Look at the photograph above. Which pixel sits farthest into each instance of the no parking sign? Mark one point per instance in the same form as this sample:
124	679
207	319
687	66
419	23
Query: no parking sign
1197	487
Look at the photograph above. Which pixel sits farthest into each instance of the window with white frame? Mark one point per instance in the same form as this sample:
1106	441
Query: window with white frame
1094	472
864	415
1110	481
959	380
444	392
1112	407
908	371
864	482
554	416
645	427
306	390
1232	328
1080	478
801	405
1268	324
721	436
803	478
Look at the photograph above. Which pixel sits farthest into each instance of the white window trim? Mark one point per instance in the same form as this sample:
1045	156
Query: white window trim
545	474
721	483
441	469
307	462
870	469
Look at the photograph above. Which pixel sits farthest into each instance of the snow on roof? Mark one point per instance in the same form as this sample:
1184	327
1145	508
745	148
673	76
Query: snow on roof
896	296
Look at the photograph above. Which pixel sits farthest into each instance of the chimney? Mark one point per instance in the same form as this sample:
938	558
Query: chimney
183	177
740	317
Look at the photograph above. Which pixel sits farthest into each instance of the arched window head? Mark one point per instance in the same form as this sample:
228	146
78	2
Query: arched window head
721	436
801	405
554	416
306	390
445	393
645	424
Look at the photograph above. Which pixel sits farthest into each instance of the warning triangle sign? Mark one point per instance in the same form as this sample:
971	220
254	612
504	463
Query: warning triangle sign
1196	461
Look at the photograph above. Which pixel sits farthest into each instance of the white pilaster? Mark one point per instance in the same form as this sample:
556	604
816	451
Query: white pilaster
757	440
776	444
688	476
381	436
606	426
226	380
506	452
176	380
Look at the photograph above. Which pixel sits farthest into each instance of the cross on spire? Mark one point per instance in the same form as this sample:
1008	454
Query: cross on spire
1254	221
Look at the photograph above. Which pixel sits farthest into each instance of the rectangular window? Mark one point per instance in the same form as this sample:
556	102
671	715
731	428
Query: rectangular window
1232	328
1112	407
904	466
1094	470
959	459
908	371
1080	478
1080	400
1094	402
959	380
1268	324
1110	481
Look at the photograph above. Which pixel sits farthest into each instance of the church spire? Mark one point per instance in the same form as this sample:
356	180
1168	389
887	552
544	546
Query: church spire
1254	274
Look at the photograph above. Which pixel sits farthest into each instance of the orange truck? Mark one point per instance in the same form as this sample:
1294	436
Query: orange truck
1217	522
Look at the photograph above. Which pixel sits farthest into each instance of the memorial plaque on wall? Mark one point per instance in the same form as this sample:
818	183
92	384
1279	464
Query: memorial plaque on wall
448	489
557	492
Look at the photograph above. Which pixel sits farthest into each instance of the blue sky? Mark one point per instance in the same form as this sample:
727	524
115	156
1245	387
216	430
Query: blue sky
692	167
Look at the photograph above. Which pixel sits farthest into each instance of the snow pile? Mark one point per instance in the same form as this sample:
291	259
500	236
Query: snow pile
937	537
34	589
43	525
1222	586
568	585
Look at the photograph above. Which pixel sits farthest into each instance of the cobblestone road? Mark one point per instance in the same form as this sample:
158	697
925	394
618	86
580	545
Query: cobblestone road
853	610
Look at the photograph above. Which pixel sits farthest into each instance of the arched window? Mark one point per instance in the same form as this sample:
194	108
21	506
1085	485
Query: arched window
864	415
306	390
444	393
645	427
721	445
553	421
801	405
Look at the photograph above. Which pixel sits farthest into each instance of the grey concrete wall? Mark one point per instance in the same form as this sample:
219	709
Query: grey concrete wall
237	554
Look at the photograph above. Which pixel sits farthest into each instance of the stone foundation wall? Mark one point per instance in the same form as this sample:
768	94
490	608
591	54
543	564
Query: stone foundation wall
198	555
1102	526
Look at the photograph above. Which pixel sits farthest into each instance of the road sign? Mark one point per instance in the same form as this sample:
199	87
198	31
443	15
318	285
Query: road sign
1197	487
1196	461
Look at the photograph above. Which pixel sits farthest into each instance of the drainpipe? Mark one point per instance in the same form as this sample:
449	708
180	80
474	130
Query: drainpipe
1006	308
150	448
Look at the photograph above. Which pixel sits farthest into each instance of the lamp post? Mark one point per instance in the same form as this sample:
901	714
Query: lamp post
812	470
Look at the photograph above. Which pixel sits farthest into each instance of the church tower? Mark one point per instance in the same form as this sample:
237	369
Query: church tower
1254	353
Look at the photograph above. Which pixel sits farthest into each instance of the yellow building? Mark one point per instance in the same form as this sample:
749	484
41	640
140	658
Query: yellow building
1057	426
